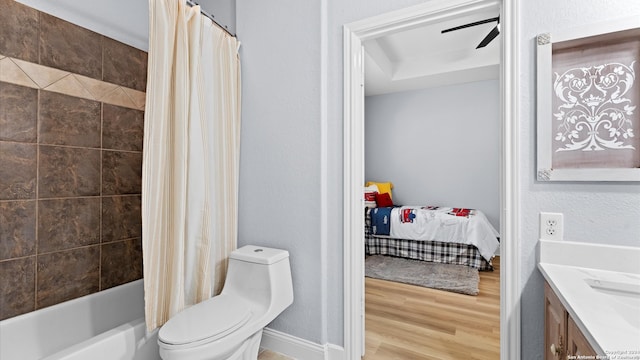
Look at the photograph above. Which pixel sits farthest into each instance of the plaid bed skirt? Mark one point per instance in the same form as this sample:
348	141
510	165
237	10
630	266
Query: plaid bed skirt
434	251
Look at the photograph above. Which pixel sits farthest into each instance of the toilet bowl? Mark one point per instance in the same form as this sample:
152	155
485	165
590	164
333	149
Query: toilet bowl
229	326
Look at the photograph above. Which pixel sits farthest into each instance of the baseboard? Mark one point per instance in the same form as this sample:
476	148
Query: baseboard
298	348
335	352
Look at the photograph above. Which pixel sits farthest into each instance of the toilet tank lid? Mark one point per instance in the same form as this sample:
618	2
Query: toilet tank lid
259	254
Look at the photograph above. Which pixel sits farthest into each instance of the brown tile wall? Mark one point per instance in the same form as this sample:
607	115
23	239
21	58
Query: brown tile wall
70	168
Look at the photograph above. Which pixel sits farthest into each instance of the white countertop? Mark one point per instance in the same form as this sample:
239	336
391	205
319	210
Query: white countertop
599	286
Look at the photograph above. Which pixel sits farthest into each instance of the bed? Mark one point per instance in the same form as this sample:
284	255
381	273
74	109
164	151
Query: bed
431	233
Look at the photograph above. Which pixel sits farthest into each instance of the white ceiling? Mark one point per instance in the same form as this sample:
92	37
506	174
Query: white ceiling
424	57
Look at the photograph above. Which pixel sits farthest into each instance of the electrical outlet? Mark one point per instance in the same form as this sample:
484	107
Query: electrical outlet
551	226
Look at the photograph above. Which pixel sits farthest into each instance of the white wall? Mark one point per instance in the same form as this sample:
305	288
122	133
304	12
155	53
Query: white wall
439	146
594	212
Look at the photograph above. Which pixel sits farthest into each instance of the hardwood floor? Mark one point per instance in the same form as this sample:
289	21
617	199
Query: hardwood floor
412	322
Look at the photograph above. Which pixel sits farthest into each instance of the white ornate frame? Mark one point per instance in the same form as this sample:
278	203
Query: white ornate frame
545	171
353	148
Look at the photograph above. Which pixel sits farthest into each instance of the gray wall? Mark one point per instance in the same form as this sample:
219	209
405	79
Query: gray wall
439	146
223	11
292	153
594	212
280	149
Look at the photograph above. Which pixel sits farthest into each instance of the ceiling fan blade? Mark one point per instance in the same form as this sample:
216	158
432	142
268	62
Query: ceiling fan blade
487	39
485	21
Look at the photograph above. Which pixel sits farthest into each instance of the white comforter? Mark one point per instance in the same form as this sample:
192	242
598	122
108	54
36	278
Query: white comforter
416	223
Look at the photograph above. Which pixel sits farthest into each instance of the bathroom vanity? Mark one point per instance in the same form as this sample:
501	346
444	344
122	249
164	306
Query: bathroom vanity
562	336
592	300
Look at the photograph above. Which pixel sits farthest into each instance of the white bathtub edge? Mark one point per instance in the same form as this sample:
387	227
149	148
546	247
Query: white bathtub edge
46	331
127	341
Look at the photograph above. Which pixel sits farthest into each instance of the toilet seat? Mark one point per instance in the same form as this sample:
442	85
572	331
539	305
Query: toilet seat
222	315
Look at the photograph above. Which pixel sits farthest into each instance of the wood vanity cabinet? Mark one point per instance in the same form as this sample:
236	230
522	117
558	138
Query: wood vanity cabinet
562	337
555	326
577	344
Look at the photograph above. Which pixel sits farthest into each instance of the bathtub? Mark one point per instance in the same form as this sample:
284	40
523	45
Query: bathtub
106	325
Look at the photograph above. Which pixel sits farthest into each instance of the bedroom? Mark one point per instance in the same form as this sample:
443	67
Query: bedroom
433	131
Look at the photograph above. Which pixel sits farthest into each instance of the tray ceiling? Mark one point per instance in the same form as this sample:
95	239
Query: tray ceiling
423	57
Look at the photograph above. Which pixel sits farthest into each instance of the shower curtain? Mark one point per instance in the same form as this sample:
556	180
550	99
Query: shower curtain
190	159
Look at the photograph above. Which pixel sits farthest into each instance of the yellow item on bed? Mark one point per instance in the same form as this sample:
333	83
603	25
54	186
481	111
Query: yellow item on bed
383	187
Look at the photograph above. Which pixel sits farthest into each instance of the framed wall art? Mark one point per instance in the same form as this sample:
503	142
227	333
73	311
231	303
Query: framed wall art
588	97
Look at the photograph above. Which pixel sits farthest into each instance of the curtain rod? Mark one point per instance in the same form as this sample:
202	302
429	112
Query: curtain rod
193	3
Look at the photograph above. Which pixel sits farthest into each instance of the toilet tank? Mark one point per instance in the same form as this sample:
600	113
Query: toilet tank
262	275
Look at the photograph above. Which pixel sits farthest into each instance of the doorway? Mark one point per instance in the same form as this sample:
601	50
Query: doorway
354	36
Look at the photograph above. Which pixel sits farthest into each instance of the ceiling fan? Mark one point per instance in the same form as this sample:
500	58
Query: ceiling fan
487	39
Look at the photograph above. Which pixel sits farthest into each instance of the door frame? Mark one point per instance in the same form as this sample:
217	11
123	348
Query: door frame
353	154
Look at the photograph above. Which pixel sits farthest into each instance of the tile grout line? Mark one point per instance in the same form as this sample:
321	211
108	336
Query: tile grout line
25	73
74	197
82	84
101	160
72	248
37	216
37	198
101	170
84	147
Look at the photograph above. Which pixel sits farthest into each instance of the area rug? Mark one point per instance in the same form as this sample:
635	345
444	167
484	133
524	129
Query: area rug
455	278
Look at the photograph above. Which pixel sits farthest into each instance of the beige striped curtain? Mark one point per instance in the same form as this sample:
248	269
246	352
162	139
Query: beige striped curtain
190	159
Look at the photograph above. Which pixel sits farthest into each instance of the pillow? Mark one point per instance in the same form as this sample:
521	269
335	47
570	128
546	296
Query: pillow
383	188
384	200
370	196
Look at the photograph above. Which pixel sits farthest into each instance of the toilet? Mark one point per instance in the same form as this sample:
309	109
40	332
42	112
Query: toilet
229	326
